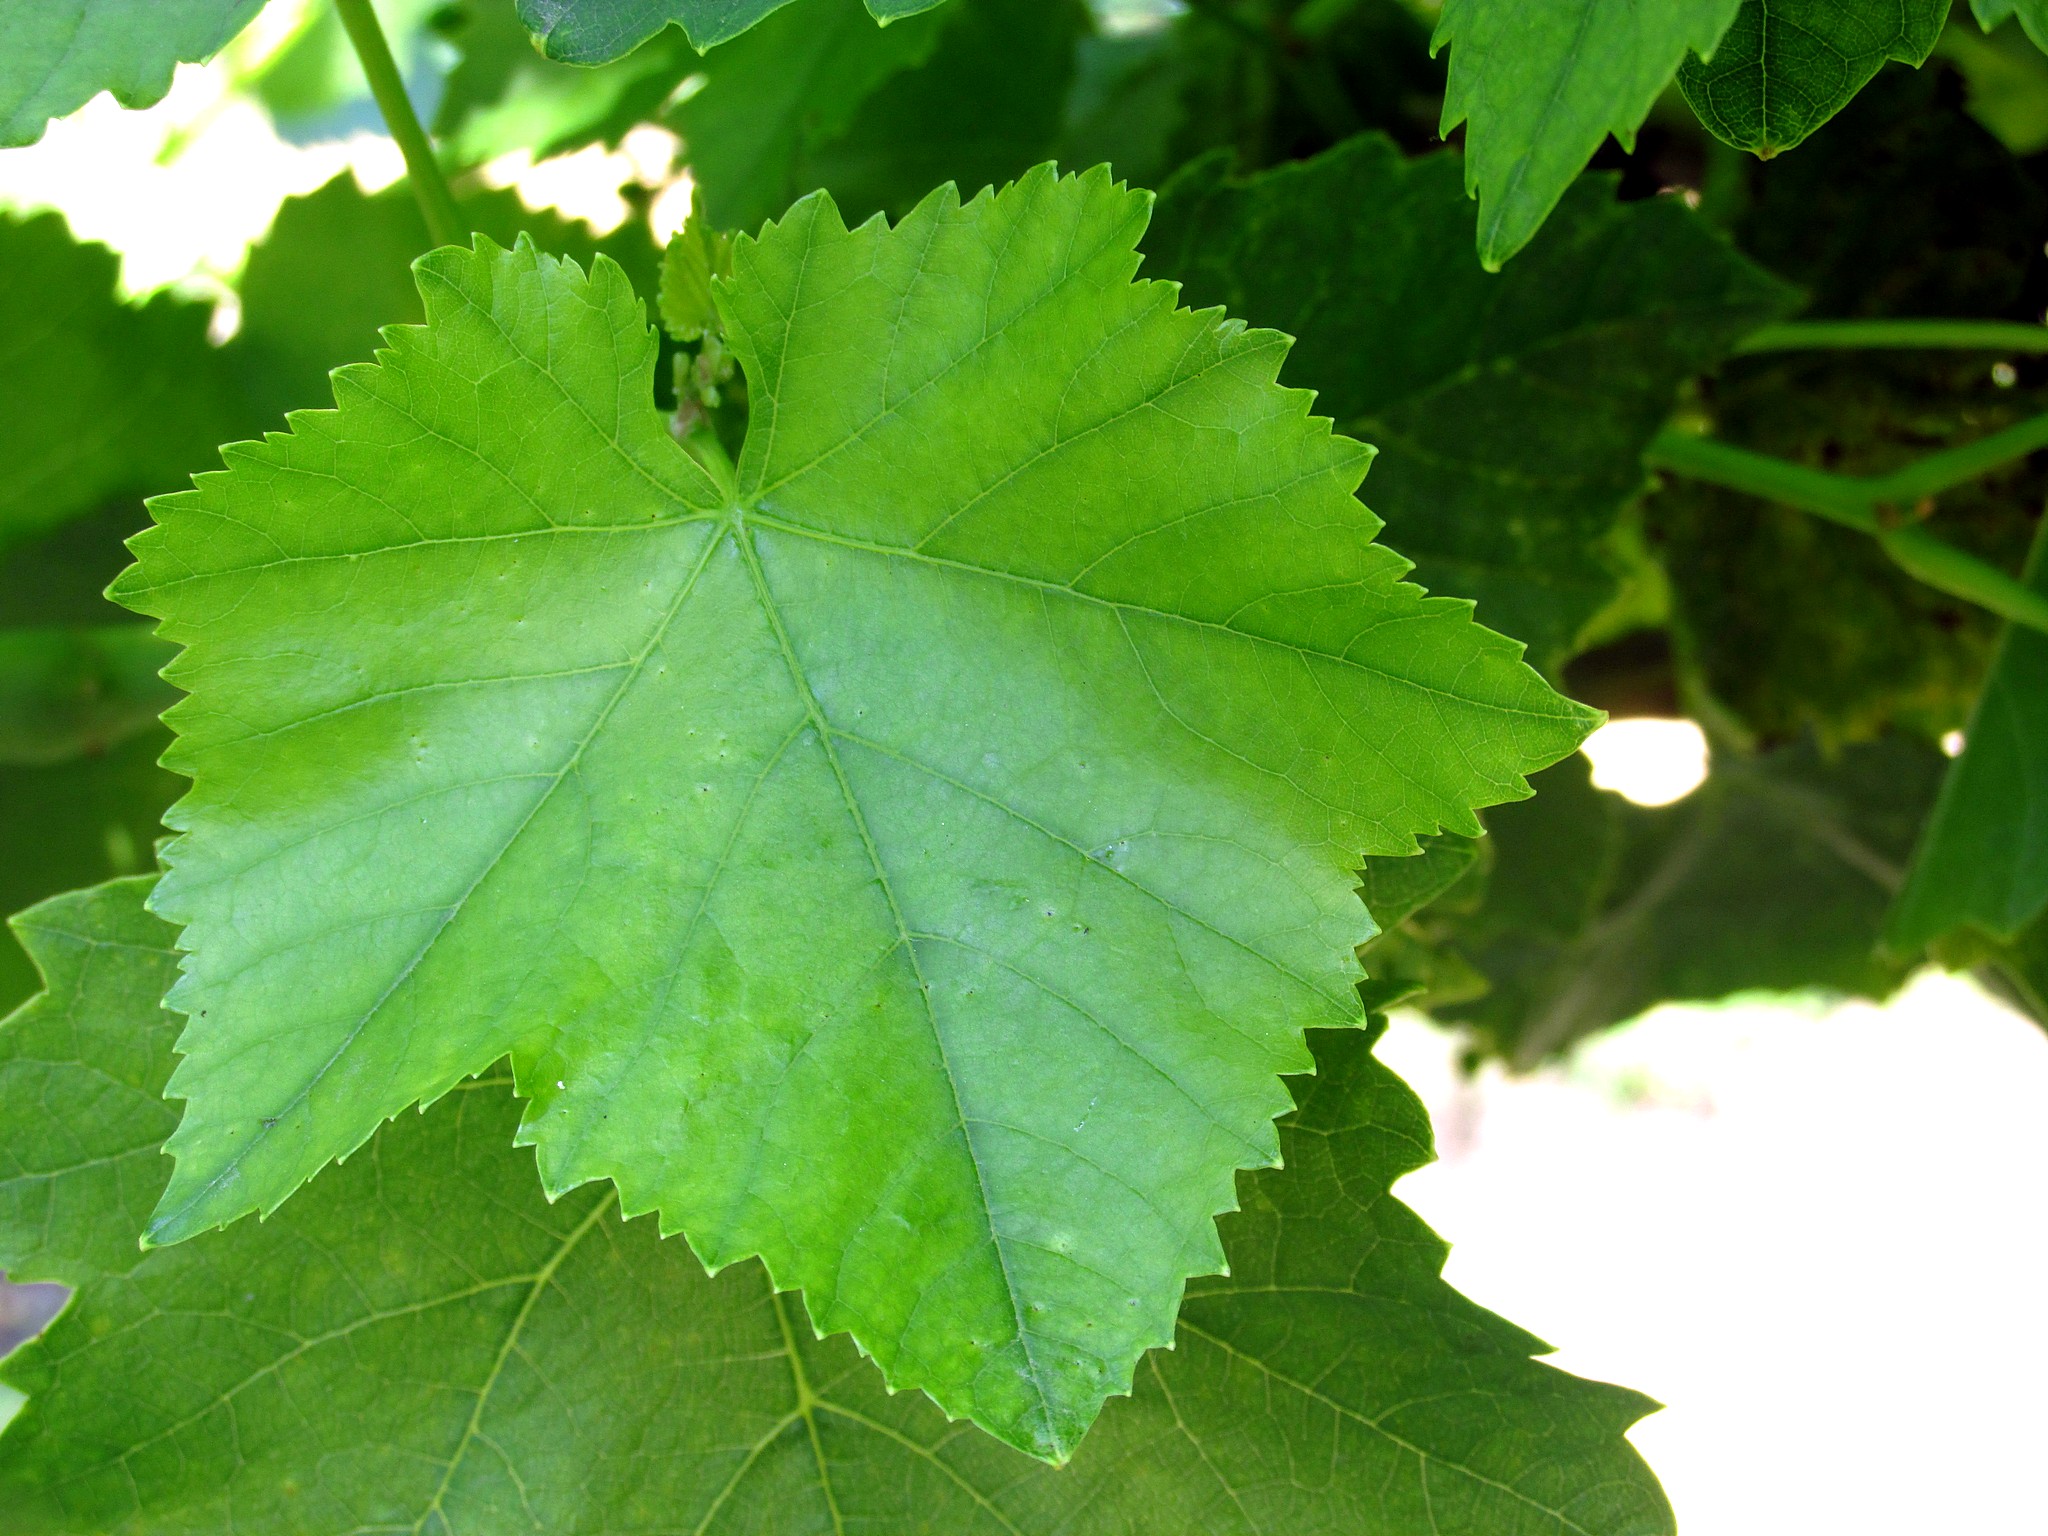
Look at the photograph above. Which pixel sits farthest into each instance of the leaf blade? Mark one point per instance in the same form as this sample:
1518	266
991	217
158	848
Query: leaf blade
785	835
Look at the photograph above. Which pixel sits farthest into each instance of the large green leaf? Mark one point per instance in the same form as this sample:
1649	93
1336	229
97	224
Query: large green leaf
1774	875
59	54
1510	411
912	860
598	31
422	1342
1539	84
1983	859
1787	66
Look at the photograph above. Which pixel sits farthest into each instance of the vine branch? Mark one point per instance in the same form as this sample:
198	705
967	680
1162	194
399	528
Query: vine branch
445	225
1883	506
1870	335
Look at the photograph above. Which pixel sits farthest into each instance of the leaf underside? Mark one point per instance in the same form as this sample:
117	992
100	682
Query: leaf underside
1786	66
1539	84
598	31
59	54
873	864
422	1342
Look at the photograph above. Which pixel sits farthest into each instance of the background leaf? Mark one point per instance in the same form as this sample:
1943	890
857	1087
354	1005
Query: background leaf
1774	875
420	1340
1787	66
60	54
598	31
1510	411
1005	833
1983	859
1540	84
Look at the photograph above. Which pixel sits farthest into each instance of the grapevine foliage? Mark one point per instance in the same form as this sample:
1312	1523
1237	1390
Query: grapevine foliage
422	1341
965	606
877	823
59	54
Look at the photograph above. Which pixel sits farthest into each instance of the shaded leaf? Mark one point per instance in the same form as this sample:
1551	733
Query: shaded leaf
1775	875
2032	14
60	54
598	31
1540	84
1510	411
1983	859
98	399
772	99
1785	67
694	258
421	1341
1003	831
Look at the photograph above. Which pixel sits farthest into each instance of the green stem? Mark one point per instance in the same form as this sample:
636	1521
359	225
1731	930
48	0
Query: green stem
1870	505
1975	335
445	224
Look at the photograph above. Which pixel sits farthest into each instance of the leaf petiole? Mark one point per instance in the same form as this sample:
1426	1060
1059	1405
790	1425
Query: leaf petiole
445	225
1872	335
1873	505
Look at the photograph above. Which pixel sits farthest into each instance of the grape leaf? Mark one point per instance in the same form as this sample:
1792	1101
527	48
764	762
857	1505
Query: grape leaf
1784	67
817	98
598	31
97	398
1983	859
774	97
1510	411
62	53
987	105
2033	15
420	1341
1540	84
502	96
874	861
1773	875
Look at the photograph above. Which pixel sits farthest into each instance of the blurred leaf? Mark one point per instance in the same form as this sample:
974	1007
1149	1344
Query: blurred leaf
2008	83
1784	67
2032	14
1510	410
1774	875
984	106
395	1349
1789	624
98	399
1983	859
773	98
59	54
1540	84
75	823
598	31
314	88
503	95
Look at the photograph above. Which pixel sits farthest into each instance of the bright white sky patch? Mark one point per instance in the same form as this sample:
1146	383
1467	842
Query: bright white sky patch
1652	762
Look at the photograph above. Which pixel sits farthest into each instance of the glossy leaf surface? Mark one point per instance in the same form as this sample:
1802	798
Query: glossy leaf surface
1539	84
1787	66
876	862
421	1342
